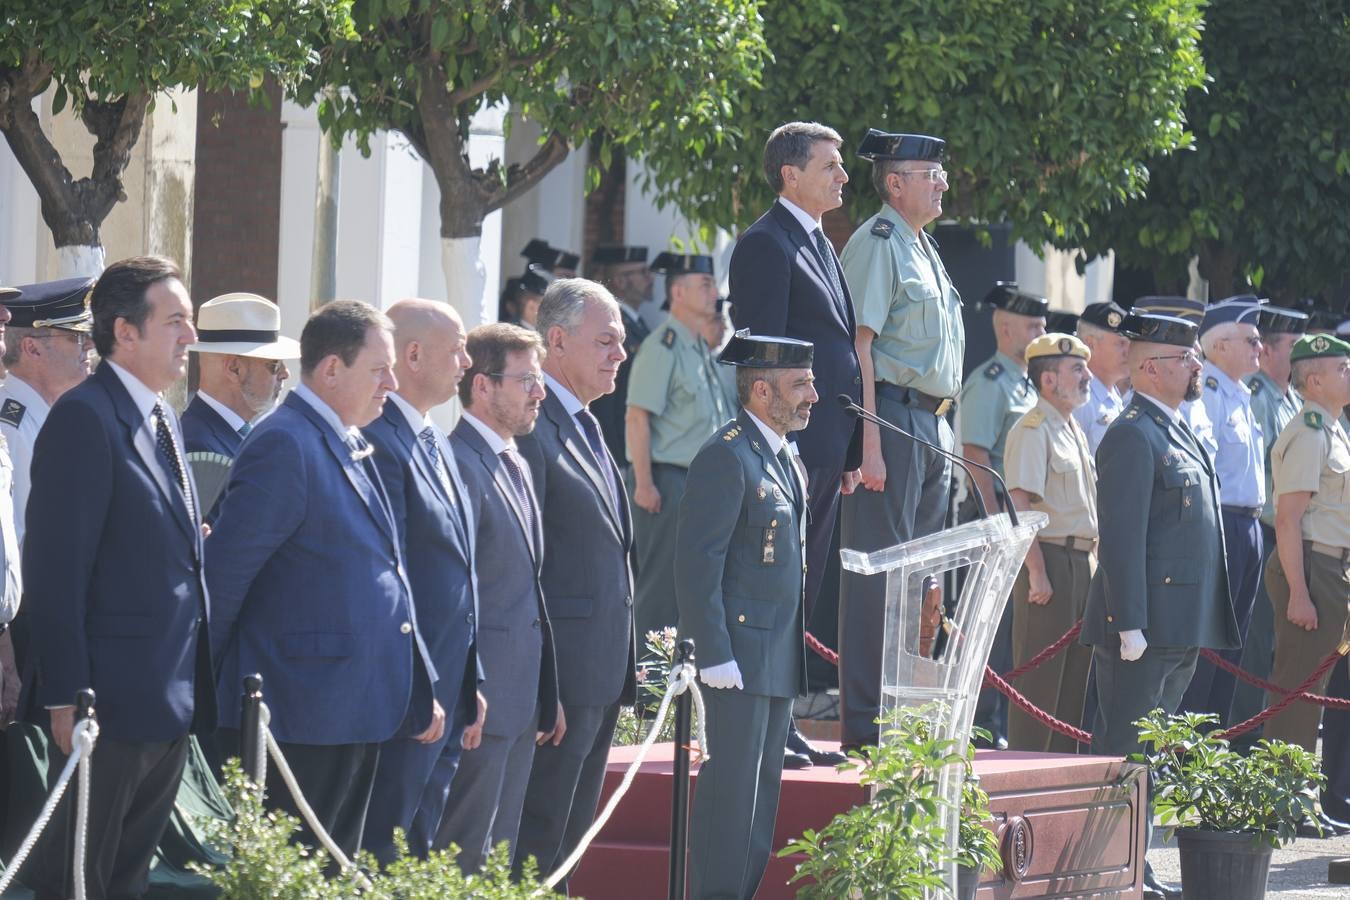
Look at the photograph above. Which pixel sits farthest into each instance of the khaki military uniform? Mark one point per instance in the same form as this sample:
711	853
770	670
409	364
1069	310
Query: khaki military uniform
1047	456
1311	454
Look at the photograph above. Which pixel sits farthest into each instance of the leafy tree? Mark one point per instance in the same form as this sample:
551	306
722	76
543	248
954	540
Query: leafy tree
660	78
1265	196
108	60
1049	109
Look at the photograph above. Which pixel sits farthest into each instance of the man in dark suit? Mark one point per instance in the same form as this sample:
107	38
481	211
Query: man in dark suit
435	529
113	577
501	393
308	580
786	280
739	582
588	585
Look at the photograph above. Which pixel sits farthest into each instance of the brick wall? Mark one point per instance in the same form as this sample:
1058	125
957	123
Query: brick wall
604	206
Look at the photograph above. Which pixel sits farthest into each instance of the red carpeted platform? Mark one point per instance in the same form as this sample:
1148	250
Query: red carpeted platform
1070	826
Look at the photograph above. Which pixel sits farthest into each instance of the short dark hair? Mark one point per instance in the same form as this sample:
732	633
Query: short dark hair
119	293
746	377
489	345
339	329
1039	366
881	168
790	145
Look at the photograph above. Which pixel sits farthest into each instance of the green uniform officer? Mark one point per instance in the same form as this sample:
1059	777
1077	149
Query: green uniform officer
740	578
1050	469
910	342
1309	577
675	402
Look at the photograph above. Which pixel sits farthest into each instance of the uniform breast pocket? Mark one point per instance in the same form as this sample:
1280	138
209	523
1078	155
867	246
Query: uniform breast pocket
1183	490
768	525
1339	464
922	317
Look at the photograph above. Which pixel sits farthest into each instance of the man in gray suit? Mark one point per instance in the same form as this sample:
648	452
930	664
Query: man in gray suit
1160	592
588	585
501	392
740	581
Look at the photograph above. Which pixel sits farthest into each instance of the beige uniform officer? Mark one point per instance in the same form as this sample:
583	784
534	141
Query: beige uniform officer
1049	468
1308	578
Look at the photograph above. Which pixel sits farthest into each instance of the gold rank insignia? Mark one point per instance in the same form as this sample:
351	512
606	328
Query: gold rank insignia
731	435
1033	418
993	370
1132	413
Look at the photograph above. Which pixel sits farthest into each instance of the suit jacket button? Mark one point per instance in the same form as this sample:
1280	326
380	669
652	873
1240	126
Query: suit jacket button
773	523
740	618
405	628
469	618
537	623
1167	579
857	379
1110	618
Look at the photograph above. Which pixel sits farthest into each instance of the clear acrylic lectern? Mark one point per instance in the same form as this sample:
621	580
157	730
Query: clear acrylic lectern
981	560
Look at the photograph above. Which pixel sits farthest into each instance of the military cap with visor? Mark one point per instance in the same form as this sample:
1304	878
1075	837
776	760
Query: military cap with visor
536	279
1009	298
1153	328
758	351
60	304
1243	309
1170	305
877	145
1279	320
616	254
1317	346
540	253
1054	345
1107	315
682	264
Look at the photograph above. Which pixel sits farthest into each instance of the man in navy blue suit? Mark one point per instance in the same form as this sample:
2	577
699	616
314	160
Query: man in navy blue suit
308	581
786	281
435	527
113	577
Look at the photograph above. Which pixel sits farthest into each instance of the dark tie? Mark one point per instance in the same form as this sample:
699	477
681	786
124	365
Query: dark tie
591	427
522	493
245	429
433	448
827	260
168	448
785	462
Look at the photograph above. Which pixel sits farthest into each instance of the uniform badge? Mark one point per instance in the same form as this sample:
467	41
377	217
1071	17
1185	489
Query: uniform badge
882	228
762	493
1311	418
777	493
766	550
1320	344
1212	383
1256	387
12	412
731	434
668	339
1131	413
1065	346
1113	319
993	370
1186	500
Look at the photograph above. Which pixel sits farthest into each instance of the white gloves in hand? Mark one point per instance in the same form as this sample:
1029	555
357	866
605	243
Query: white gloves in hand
1132	645
723	675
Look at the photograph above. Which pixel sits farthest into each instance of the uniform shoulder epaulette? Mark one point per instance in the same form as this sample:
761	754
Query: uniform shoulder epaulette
1311	418
1033	418
882	228
1255	386
1212	383
668	339
11	413
731	433
1130	414
993	370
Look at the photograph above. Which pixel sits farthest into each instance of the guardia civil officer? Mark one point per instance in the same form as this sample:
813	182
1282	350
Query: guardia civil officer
1161	590
740	581
675	403
910	343
1099	327
1193	411
1050	469
1308	580
1231	344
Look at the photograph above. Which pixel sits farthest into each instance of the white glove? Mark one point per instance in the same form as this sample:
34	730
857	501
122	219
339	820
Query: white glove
1132	645
722	675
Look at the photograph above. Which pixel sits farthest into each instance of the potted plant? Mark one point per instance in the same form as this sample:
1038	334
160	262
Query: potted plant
977	845
1229	811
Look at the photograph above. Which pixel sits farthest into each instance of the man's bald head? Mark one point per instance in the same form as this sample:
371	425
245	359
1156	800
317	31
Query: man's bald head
429	351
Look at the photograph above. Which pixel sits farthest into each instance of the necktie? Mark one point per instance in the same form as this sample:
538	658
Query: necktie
591	427
785	461
522	493
827	260
245	429
168	448
433	447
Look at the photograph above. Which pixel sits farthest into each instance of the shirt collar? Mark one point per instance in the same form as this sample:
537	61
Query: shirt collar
144	398
568	399
907	231
802	216
1011	364
416	421
1100	388
774	439
306	393
1173	414
231	417
494	440
1051	413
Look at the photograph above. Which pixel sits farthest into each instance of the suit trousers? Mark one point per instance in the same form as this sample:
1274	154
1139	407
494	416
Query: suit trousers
736	794
1258	650
1298	652
487	796
913	504
1211	689
564	787
1127	691
133	790
1059	684
654	552
412	784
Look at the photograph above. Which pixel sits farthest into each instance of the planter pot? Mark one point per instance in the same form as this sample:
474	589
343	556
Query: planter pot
967	883
1228	864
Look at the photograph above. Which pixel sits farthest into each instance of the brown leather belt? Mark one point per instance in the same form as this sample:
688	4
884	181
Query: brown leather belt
1087	545
1341	553
938	406
1247	512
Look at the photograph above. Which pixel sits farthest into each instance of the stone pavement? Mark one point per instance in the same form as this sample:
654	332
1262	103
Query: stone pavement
1297	872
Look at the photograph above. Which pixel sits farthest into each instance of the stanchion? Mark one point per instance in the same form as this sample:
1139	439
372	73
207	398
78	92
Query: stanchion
679	792
250	724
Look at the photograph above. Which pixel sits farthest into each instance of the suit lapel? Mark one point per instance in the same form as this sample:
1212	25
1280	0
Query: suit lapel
807	244
569	434
766	456
496	470
421	459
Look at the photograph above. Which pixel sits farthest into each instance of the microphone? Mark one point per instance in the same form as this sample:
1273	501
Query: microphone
847	403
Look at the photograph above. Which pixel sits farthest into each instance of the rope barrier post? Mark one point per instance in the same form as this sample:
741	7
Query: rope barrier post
84	710
679	792
250	724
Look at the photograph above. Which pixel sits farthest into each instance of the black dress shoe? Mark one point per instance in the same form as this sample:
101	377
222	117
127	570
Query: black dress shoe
1333	827
796	760
1157	890
796	743
1312	827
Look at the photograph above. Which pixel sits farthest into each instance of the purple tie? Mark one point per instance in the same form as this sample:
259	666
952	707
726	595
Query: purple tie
522	493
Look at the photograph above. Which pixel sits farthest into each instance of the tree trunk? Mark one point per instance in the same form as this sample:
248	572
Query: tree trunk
1219	266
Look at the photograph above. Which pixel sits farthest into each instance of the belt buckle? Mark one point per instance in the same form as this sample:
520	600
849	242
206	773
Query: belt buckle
942	407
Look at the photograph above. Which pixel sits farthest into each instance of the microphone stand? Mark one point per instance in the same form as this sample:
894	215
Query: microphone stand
847	403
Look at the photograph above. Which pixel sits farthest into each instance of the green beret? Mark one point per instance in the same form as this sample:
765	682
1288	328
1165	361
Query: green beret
1314	346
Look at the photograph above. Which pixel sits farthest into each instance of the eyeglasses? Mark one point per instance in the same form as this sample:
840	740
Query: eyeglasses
81	340
1252	340
273	365
1189	358
529	380
933	175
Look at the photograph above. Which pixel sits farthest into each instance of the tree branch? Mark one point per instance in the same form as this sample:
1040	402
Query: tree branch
520	178
116	126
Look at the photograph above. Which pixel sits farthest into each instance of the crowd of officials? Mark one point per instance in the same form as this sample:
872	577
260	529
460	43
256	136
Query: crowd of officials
448	623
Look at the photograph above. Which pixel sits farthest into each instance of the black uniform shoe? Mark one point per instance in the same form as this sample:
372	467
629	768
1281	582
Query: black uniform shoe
796	743
1157	890
793	760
